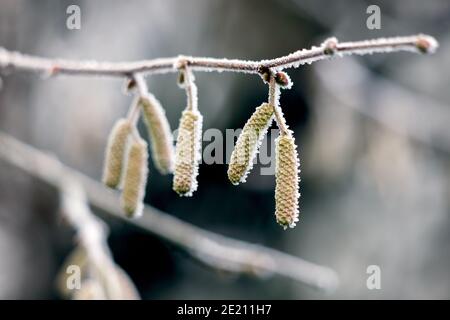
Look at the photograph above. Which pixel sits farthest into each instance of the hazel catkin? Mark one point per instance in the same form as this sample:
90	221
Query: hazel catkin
135	179
247	145
158	128
287	180
187	153
115	153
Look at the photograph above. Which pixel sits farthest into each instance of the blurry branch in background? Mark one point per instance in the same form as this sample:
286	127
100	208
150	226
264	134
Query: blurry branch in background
214	250
101	277
330	48
386	102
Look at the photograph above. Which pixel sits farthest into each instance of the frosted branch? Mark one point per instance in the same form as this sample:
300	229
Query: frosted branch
331	47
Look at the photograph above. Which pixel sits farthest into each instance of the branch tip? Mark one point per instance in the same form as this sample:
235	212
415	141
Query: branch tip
426	44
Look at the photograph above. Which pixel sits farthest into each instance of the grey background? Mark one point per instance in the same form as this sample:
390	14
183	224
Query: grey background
373	135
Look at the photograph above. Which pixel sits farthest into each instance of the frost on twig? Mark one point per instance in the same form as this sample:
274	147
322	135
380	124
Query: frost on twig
15	60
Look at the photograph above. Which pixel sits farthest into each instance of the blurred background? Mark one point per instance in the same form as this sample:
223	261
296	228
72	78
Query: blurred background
373	135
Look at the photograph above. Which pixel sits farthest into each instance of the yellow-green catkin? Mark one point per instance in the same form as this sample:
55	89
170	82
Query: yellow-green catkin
135	179
187	153
287	180
115	153
161	138
248	143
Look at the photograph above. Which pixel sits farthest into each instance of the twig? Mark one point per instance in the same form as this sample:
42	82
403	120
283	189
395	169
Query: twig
133	111
215	250
19	61
140	84
274	100
191	89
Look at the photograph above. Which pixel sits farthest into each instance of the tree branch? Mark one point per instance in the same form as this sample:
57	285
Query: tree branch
214	250
18	61
92	234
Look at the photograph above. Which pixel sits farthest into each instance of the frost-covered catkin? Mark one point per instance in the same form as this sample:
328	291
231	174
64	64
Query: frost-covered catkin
135	179
187	153
287	179
160	134
115	153
248	143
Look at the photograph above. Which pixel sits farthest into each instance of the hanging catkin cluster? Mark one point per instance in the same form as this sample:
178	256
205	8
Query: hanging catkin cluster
287	164
287	180
126	157
159	132
188	153
248	143
126	167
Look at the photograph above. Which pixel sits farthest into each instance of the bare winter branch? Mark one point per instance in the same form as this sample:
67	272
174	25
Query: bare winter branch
331	47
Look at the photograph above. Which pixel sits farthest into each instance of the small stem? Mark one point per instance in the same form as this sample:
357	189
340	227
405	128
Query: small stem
140	84
133	111
191	88
274	100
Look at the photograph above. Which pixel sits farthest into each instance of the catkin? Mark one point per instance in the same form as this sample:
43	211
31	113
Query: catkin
187	153
160	134
248	143
287	179
90	289
115	152
135	179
